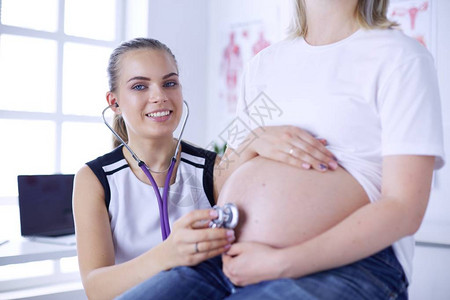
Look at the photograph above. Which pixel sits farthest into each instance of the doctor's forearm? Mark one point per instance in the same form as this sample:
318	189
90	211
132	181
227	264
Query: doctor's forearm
109	282
367	231
373	227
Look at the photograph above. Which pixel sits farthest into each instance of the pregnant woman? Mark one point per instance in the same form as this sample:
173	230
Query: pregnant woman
346	76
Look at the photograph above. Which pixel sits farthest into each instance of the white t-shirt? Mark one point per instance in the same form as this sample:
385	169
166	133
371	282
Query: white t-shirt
372	94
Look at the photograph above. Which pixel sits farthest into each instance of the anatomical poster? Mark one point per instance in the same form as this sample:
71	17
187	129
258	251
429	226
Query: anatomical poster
414	17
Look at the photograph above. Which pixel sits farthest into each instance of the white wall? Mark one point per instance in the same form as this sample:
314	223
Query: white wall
432	263
250	16
192	30
183	25
431	273
436	226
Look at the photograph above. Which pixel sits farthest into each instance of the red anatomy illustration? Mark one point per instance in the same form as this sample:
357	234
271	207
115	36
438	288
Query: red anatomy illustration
231	65
412	12
260	44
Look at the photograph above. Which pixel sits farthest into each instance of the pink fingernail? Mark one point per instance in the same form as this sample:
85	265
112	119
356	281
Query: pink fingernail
333	165
306	166
213	213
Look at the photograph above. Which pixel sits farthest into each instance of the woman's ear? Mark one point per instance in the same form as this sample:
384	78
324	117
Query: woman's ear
112	101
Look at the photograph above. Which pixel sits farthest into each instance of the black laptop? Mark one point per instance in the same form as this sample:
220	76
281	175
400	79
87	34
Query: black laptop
45	205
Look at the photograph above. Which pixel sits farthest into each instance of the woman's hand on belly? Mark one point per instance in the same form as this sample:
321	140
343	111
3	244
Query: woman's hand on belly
293	146
247	263
289	145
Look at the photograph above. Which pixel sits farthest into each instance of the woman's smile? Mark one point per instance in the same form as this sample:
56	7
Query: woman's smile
160	115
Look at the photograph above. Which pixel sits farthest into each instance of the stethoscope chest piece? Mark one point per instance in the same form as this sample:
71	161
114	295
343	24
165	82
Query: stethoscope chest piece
228	216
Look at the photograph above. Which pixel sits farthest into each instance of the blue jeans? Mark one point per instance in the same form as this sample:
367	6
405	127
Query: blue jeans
377	277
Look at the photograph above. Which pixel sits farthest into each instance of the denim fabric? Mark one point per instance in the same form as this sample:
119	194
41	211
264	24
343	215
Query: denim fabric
377	277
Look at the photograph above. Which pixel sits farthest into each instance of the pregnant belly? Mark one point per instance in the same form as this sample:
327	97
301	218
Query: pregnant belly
281	205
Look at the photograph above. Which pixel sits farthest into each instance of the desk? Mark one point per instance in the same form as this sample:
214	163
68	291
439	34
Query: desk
23	250
55	285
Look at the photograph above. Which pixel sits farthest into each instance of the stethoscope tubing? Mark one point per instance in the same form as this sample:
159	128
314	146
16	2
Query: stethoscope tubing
165	198
162	200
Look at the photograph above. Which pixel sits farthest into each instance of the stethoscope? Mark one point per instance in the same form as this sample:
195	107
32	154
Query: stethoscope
162	200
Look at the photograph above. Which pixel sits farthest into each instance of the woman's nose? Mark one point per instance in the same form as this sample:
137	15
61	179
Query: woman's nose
157	94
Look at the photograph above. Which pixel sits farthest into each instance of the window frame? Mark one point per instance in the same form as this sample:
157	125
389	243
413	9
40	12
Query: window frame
61	38
58	118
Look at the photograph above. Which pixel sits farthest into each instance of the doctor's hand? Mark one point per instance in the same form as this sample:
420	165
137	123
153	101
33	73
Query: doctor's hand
249	263
191	241
291	145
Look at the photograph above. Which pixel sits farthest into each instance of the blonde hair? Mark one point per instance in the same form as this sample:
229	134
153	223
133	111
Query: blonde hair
113	75
370	14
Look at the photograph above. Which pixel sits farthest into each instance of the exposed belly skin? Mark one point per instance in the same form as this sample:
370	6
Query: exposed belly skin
280	205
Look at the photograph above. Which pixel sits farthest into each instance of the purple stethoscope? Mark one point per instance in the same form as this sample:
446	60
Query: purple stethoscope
162	200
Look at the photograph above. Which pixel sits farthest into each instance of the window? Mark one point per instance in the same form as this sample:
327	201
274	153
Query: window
53	81
53	58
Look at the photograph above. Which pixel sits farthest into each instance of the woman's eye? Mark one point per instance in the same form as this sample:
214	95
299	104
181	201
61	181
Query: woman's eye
138	87
170	84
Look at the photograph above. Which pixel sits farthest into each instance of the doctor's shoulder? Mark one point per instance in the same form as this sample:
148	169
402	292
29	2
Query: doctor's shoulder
91	177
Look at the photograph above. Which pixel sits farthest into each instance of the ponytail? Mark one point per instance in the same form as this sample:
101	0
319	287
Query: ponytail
121	129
